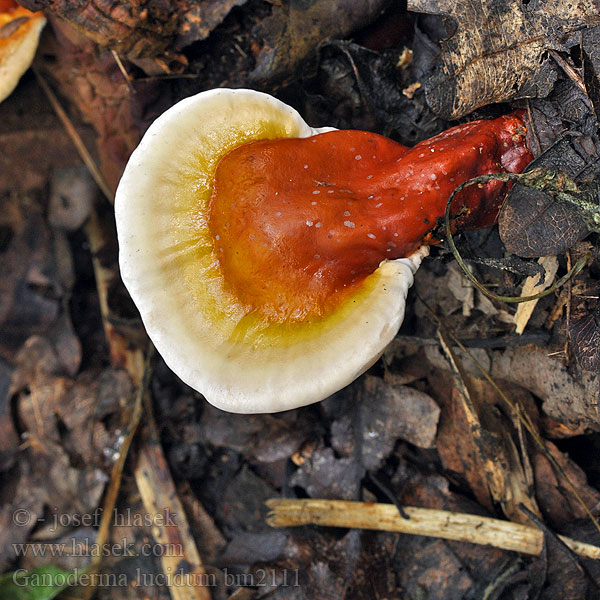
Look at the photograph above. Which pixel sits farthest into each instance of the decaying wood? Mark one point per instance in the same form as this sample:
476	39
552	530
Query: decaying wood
421	521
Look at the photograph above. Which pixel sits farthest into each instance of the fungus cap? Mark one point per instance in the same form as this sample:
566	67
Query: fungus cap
21	30
241	362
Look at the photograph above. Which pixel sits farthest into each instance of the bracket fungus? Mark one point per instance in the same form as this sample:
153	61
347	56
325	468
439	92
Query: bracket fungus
270	261
19	35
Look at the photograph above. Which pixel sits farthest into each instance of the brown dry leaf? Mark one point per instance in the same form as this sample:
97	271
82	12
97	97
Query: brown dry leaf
557	502
569	398
295	29
92	81
67	412
382	414
458	564
498	50
532	223
357	566
584	333
475	441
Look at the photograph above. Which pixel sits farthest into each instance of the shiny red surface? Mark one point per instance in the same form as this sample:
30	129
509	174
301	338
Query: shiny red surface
298	223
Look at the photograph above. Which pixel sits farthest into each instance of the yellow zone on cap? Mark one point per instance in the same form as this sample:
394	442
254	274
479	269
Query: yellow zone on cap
237	359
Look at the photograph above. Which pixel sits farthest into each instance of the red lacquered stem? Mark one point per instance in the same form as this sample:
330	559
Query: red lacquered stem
299	222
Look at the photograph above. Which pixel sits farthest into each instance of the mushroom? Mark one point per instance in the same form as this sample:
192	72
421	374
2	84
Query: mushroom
19	35
270	261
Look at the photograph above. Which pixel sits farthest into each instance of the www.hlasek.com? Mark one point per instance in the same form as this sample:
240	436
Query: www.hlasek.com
259	578
84	547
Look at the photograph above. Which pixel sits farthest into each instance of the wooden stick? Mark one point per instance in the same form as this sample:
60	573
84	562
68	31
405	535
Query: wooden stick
429	522
181	561
86	157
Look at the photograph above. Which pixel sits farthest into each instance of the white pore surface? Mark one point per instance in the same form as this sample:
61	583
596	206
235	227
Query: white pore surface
256	372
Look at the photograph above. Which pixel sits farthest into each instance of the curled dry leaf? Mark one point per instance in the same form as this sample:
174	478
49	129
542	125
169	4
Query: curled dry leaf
498	51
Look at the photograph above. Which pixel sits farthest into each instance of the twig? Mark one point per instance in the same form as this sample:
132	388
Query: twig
180	559
123	71
428	522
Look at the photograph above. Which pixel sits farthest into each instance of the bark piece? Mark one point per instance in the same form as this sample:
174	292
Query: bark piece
140	28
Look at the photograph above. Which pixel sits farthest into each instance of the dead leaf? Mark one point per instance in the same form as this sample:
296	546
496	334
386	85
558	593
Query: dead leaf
324	475
265	438
584	333
379	415
558	504
93	82
498	52
531	223
29	287
497	459
461	288
242	506
570	399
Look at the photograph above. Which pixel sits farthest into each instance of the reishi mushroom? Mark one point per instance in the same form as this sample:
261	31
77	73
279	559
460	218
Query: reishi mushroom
19	35
270	261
